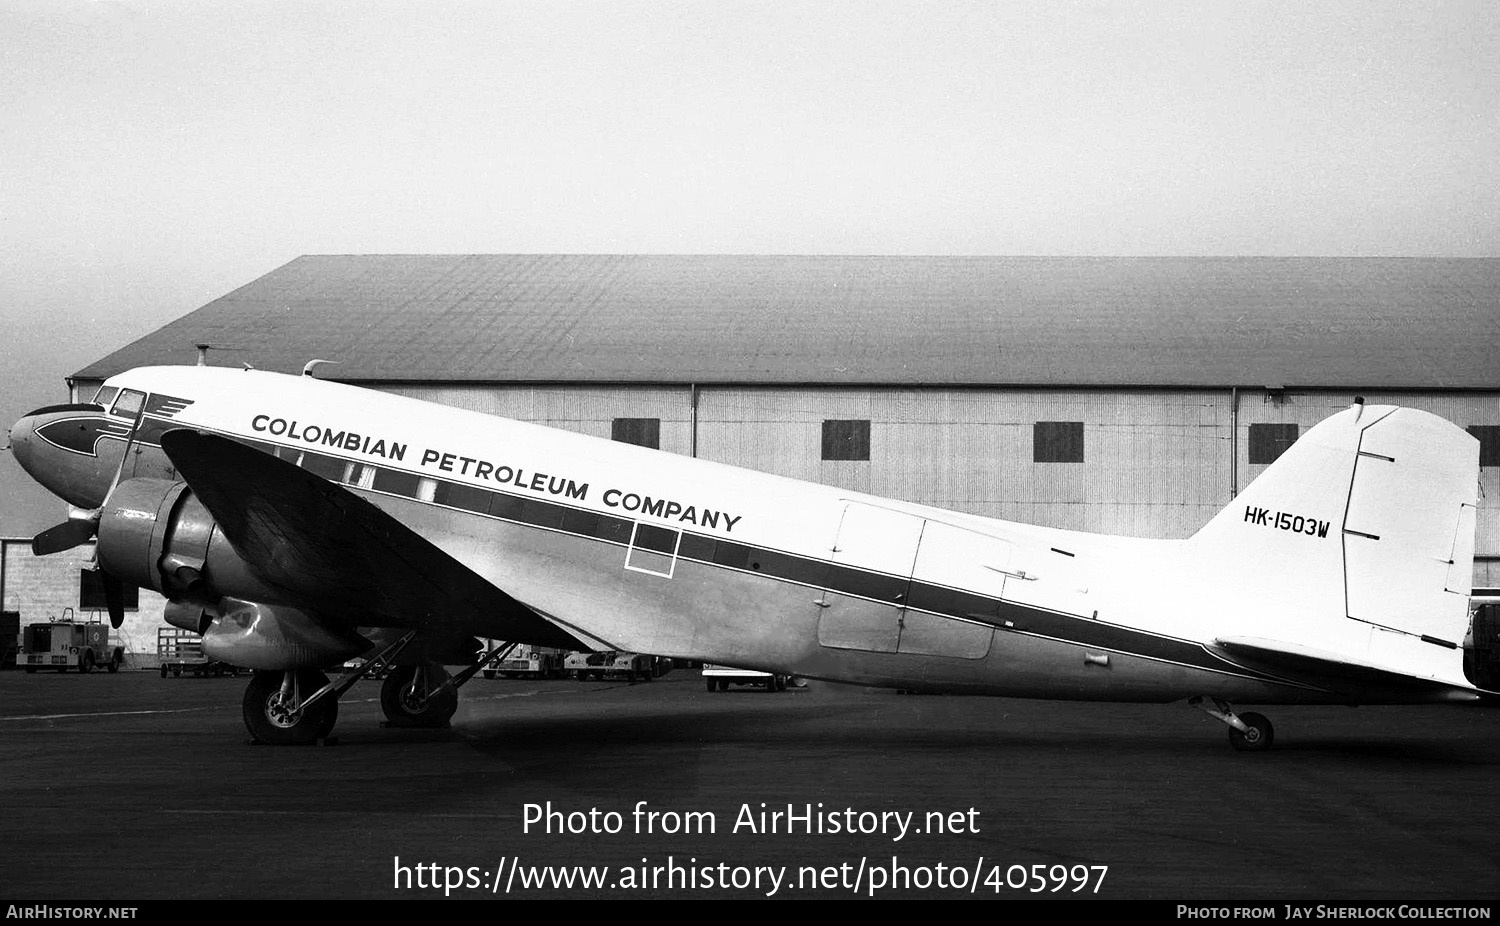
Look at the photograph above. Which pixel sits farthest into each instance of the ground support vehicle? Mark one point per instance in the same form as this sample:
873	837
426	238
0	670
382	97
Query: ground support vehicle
370	667
528	662
1482	644
641	667
10	638
182	651
69	644
719	678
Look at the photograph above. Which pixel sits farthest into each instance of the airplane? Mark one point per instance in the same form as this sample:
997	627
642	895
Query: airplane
296	523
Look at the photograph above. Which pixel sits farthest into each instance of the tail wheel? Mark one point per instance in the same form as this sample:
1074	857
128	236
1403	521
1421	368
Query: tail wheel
273	708
409	697
1256	738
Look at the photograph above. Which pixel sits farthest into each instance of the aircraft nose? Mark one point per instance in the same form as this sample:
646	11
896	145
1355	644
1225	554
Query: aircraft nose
23	443
59	447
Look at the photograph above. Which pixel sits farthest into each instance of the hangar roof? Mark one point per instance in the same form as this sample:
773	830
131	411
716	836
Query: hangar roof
1039	321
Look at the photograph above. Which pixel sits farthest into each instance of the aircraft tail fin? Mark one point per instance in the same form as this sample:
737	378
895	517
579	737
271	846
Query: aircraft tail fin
1358	542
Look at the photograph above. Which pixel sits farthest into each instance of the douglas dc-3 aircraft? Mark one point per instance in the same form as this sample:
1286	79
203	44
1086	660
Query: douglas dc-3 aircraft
296	523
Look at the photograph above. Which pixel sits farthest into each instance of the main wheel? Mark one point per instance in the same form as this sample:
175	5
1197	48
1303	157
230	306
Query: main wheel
275	717
712	685
408	698
1257	738
164	670
114	663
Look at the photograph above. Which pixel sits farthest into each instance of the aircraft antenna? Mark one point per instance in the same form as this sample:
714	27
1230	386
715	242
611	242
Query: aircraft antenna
204	348
311	366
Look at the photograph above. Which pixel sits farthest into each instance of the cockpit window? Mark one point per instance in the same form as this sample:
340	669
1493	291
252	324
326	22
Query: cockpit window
129	403
105	395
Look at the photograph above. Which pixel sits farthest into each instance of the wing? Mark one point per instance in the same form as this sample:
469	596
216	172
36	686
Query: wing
330	550
1360	681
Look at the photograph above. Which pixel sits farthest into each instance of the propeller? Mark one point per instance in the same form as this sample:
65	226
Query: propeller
83	526
67	535
114	598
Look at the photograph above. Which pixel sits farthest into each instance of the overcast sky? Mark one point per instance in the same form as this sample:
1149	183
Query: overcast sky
154	156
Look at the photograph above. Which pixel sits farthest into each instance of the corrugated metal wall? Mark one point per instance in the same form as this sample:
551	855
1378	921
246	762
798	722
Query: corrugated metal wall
1152	461
585	409
1156	462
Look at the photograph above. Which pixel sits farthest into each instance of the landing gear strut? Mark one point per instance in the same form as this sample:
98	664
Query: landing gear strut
297	707
279	710
418	696
301	706
425	695
1248	732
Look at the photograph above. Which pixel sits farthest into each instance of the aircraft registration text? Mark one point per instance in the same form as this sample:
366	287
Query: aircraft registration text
1281	520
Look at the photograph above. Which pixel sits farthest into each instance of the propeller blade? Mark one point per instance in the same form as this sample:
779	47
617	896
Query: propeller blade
114	598
64	536
135	426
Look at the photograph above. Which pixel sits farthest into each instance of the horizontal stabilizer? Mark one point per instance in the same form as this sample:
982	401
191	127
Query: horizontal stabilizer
1361	681
332	551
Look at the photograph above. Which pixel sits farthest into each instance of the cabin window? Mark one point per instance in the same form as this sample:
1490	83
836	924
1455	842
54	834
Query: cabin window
91	595
1057	442
1488	436
846	439
105	395
643	432
1269	441
457	495
653	549
318	464
128	405
395	482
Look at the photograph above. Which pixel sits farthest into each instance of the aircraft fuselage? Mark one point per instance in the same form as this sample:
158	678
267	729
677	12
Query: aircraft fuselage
655	552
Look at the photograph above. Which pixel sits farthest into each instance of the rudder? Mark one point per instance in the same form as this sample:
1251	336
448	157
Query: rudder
1358	542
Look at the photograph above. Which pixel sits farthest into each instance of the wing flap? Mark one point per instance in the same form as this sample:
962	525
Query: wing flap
329	549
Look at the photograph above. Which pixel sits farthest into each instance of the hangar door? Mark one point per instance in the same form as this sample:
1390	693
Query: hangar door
882	559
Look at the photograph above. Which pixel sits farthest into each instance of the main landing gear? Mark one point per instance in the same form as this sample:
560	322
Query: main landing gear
418	696
299	707
1248	732
280	708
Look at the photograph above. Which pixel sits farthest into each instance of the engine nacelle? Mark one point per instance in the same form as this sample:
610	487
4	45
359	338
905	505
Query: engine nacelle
263	636
157	534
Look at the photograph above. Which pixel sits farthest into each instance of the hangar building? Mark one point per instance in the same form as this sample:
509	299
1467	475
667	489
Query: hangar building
1131	396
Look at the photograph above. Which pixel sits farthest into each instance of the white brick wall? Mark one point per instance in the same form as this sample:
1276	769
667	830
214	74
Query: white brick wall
44	588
